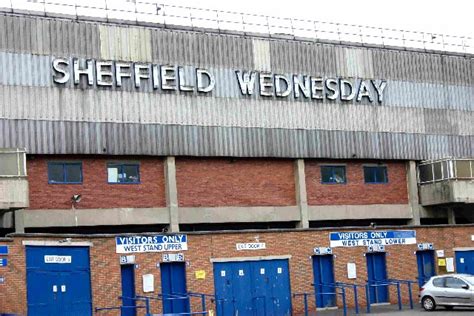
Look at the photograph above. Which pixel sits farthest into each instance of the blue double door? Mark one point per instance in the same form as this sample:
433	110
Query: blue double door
129	307
58	281
323	271
252	288
426	267
377	276
173	288
465	262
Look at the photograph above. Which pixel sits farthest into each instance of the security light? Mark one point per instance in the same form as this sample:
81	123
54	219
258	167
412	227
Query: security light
76	198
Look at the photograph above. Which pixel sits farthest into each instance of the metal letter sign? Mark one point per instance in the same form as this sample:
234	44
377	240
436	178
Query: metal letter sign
4	250
156	243
370	238
173	257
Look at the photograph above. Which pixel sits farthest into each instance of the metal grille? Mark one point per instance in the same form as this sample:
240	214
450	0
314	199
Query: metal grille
146	12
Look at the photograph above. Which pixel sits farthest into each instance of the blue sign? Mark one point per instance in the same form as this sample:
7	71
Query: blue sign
156	243
370	238
3	250
3	262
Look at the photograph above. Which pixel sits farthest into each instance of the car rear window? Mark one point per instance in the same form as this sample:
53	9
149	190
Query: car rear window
439	282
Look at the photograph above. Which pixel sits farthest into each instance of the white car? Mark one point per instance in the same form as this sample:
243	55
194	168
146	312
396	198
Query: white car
448	291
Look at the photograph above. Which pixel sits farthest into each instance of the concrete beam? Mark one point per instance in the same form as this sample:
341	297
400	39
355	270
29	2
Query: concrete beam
413	197
90	217
341	212
231	214
13	193
6	220
451	215
172	193
301	195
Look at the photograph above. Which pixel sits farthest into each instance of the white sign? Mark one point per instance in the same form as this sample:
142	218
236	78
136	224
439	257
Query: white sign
449	264
322	251
148	283
440	253
130	259
351	270
370	238
156	243
251	246
173	257
472	237
57	259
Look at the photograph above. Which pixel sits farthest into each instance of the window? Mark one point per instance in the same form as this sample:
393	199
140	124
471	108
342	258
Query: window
455	283
123	173
65	172
333	174
375	174
438	282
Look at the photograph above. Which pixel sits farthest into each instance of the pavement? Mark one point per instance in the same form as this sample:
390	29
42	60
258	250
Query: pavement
393	310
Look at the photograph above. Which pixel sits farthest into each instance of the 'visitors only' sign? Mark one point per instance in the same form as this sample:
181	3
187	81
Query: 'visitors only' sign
157	243
369	238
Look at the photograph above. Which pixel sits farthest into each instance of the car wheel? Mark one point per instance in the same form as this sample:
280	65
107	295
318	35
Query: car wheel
428	303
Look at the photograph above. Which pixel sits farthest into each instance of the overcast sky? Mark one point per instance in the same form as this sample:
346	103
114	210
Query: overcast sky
454	17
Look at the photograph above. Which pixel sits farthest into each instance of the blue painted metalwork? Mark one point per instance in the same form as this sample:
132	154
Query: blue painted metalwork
323	271
58	288
3	250
426	265
377	274
252	288
465	262
173	288
128	290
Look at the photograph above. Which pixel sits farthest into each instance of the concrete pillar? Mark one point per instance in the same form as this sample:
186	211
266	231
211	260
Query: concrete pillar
413	198
172	193
19	221
301	196
451	216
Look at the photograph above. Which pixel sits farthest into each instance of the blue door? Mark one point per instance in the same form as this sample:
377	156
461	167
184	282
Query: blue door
173	287
323	272
465	262
58	281
426	268
252	288
377	273
128	290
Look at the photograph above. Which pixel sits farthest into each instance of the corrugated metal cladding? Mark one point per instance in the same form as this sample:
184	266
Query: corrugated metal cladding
427	112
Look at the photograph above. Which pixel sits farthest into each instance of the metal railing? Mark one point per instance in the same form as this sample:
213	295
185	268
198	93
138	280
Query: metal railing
387	283
339	289
148	11
445	169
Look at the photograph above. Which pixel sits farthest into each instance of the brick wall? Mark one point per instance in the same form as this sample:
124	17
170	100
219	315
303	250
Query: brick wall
235	182
95	191
105	268
355	191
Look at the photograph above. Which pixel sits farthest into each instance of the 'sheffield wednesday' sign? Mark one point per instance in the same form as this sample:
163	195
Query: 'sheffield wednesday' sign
202	81
369	238
157	243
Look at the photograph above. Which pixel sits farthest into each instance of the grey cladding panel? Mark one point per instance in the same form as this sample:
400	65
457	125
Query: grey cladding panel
47	137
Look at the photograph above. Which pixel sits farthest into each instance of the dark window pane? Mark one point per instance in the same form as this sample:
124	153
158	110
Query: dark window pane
55	173
73	173
339	174
439	282
426	173
381	174
369	174
438	175
130	173
326	174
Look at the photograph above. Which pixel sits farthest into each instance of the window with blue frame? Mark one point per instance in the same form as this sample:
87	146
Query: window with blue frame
375	174
123	173
65	172
333	174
